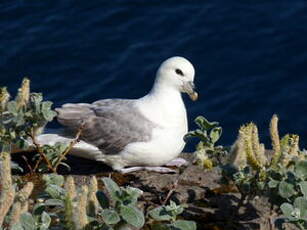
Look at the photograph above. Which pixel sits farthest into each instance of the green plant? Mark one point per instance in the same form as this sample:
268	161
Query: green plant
22	119
166	218
95	209
207	154
29	221
288	187
121	206
281	177
296	213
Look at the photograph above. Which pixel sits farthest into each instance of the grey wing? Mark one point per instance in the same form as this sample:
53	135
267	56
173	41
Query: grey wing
108	124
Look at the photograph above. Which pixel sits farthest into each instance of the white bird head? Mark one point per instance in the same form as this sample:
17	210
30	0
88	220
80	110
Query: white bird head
179	73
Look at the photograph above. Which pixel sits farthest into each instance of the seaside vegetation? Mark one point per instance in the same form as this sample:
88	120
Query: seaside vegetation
279	175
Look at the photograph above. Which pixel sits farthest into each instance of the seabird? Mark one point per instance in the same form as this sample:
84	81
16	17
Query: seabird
143	133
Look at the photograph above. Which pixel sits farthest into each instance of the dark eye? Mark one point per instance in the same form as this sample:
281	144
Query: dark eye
179	72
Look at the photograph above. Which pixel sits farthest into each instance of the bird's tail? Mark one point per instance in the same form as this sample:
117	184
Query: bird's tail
80	149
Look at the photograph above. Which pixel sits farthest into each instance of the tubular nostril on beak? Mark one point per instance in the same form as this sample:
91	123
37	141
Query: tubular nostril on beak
192	85
189	88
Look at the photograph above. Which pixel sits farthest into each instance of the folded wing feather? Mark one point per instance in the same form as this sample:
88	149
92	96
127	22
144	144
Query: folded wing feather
108	124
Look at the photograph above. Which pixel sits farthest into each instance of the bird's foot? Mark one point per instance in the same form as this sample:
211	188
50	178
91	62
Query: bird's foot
151	169
177	162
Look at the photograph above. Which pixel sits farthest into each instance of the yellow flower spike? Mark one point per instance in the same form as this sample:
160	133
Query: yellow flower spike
82	203
71	216
294	148
285	150
237	152
255	138
275	140
250	155
7	193
23	94
289	148
70	187
4	98
20	205
93	204
258	148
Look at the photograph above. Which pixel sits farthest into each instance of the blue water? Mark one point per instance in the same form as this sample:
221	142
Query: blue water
250	56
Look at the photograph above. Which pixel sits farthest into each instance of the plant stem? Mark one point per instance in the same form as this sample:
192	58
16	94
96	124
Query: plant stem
171	191
67	150
41	152
28	165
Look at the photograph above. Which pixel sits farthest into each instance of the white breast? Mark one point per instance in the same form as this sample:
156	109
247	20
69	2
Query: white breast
167	138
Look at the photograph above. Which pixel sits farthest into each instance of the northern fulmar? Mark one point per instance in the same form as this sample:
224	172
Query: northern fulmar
143	133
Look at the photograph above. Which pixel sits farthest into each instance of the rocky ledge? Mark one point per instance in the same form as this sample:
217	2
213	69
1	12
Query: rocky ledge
211	204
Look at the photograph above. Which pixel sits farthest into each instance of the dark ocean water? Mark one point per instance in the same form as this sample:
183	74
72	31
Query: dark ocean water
250	56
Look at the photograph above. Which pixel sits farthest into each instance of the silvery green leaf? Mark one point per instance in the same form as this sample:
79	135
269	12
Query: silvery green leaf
160	226
286	209
160	214
46	220
54	202
196	133
273	183
16	226
132	216
303	187
301	204
285	189
12	107
215	134
27	221
46	111
301	169
112	188
19	119
174	208
12	134
184	225
204	123
55	191
110	216
53	179
61	147
134	193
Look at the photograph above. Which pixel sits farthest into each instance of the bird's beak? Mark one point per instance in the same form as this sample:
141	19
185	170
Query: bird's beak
189	88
